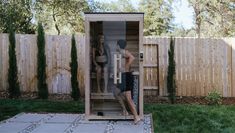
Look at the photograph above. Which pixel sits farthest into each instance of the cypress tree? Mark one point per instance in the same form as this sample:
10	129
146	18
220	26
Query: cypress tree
171	87
14	88
41	64
74	67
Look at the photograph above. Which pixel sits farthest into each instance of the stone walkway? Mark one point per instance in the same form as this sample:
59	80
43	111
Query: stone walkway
70	123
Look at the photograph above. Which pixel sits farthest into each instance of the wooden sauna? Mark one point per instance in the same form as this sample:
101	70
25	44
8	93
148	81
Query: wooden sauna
104	33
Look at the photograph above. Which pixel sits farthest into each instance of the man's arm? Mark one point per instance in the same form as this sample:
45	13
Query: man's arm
130	59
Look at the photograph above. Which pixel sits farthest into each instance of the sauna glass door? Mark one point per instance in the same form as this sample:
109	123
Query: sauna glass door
108	78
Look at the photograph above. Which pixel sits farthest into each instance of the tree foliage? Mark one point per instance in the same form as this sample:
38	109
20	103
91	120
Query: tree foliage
19	14
61	16
171	86
214	18
180	31
158	16
74	70
14	88
41	64
114	6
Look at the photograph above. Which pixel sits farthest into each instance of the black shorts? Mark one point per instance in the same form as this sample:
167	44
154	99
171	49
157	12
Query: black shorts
127	82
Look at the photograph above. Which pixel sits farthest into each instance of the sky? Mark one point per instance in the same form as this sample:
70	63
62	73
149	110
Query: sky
182	12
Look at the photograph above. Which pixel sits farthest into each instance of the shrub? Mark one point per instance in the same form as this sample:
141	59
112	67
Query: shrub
14	88
74	68
171	87
41	64
214	98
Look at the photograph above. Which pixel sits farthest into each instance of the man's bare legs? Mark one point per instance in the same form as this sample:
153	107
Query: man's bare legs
132	106
106	78
98	77
118	95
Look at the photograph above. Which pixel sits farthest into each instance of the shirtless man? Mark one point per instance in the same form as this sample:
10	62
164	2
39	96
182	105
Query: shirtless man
127	78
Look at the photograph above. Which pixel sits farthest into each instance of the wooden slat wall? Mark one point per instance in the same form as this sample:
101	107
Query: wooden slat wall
58	50
201	64
233	66
26	53
151	65
4	42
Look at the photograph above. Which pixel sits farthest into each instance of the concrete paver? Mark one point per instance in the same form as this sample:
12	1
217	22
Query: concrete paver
87	128
70	123
12	127
63	118
30	117
51	128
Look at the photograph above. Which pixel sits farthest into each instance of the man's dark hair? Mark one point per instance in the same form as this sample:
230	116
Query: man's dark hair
122	44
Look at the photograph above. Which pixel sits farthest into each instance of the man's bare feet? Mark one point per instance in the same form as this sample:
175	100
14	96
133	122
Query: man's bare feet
137	120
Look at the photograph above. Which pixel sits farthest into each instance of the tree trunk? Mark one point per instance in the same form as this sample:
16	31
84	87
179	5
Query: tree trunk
56	25
198	18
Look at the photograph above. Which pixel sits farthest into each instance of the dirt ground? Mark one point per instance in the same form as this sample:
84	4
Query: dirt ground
187	100
147	99
33	95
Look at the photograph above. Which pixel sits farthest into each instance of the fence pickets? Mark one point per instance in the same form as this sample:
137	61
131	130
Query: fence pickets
57	52
201	64
4	61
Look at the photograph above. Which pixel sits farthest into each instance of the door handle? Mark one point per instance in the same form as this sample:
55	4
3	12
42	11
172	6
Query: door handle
117	66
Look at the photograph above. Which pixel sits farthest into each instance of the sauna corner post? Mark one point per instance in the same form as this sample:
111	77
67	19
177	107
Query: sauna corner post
141	107
87	70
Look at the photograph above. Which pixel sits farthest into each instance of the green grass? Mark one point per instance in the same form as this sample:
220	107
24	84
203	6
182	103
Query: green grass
192	118
167	118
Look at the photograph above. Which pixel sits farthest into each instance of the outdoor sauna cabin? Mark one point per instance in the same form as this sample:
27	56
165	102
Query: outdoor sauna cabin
105	34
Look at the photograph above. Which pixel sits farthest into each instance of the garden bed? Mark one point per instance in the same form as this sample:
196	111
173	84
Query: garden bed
186	100
147	99
33	95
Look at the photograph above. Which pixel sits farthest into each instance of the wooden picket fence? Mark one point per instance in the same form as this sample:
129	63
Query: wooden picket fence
57	60
201	64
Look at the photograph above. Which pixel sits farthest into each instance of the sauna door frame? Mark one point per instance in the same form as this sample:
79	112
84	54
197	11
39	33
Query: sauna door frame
93	17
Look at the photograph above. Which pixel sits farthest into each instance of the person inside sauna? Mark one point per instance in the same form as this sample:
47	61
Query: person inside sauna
127	79
101	61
